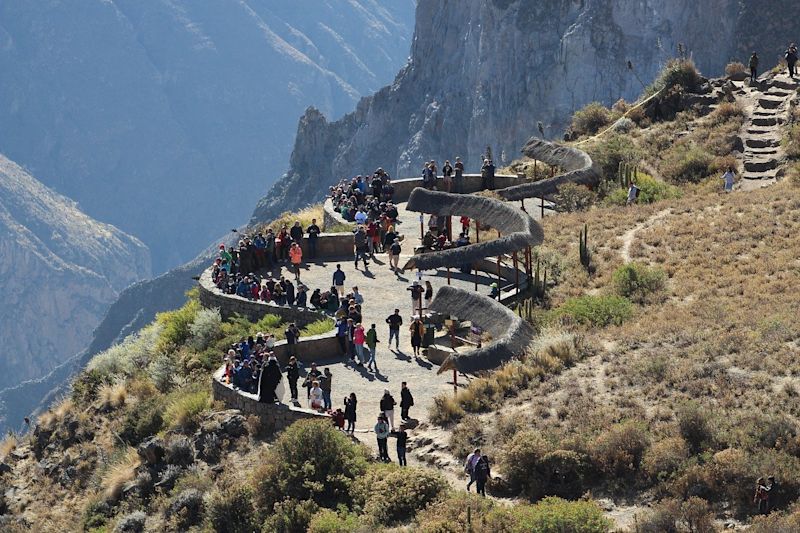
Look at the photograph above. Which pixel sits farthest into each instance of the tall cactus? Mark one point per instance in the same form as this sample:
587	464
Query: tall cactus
540	282
586	255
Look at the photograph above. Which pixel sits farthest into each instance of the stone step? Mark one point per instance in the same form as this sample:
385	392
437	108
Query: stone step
760	131
760	165
770	103
771	175
784	84
766	113
760	142
777	94
760	153
765	121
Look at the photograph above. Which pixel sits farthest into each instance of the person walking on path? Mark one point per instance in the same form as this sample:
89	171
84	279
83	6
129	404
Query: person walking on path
268	381
417	331
313	234
394	255
416	297
402	439
406	401
382	434
296	258
387	407
428	294
325	383
311	377
469	466
791	59
727	180
350	405
292	375
360	245
394	321
633	194
482	474
372	343
338	280
359	337
753	64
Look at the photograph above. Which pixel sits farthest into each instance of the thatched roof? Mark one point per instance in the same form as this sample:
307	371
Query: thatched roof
511	335
517	228
577	164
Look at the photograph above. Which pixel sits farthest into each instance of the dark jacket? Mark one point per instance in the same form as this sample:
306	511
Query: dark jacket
387	403
292	372
394	321
350	409
270	377
406	399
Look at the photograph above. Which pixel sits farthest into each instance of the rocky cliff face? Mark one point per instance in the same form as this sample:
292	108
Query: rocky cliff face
485	72
169	118
59	271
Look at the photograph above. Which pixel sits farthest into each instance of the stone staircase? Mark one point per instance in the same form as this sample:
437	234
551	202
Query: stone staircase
763	157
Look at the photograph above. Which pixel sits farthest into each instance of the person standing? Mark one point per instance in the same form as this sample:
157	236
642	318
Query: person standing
458	168
292	334
359	337
338	280
633	194
292	375
394	321
311	377
394	255
360	245
428	294
313	234
406	401
325	383
791	59
447	176
469	466
372	343
761	498
416	297
727	180
382	434
350	405
402	439
417	330
296	233
296	258
753	64
482	474
268	381
387	407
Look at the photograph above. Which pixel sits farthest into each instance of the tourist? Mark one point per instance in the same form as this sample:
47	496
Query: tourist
458	180
633	194
428	294
469	466
372	343
316	299
382	434
373	238
402	439
416	298
315	398
325	383
313	234
292	375
357	296
350	405
301	299
770	488
387	407
727	180
753	64
360	216
282	242
341	333
292	335
269	379
487	175
360	245
338	280
406	401
296	258
494	291
394	321
351	346
359	337
482	474
791	59
761	496
464	225
311	377
417	330
447	176
296	233
394	255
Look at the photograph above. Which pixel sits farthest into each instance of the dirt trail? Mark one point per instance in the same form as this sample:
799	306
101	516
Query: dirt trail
630	235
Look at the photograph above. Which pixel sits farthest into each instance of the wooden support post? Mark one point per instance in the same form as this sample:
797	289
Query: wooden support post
455	381
476	279
516	273
522	205
421	227
542	206
448	275
499	281
477	231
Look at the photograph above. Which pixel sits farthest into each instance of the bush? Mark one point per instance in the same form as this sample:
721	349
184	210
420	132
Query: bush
180	451
445	410
327	521
624	125
590	119
467	435
131	523
695	427
206	328
619	450
289	516
311	460
598	311
638	282
126	357
459	512
776	523
231	509
565	347
86	386
736	70
680	72
389	494
551	515
162	372
650	190
320	327
664	458
671	516
611	150
687	163
186	509
176	326
521	462
142	420
184	410
574	197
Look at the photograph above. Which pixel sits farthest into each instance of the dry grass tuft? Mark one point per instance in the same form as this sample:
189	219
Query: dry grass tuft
113	396
119	473
8	445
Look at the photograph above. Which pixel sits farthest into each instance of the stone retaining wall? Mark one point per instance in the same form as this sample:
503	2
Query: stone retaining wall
273	417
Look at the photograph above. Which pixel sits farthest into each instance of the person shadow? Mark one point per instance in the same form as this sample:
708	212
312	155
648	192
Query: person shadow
361	370
400	277
400	354
423	363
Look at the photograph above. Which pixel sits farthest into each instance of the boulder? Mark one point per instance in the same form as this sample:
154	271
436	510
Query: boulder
151	450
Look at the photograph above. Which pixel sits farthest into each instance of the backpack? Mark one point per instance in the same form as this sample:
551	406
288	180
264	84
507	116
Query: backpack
636	191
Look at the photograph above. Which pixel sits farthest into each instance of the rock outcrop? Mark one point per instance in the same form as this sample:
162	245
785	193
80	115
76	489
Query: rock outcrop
169	119
59	271
485	72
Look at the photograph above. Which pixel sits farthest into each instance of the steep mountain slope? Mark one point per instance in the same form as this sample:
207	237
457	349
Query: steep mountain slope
484	73
60	270
150	113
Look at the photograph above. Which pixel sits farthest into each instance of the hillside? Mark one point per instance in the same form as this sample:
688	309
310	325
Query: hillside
662	382
151	114
61	269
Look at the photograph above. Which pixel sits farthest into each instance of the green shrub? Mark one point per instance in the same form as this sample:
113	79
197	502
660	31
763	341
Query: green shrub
680	72
390	494
573	197
310	460
133	353
650	190
638	282
551	515
142	420
598	311
590	119
609	151
176	326
694	422
231	510
686	163
521	462
183	411
86	385
327	521
162	370
320	327
289	516
664	458
618	451
467	435
206	328
459	512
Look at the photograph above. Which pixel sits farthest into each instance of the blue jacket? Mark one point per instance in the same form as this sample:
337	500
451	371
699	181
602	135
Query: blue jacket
341	328
338	277
243	289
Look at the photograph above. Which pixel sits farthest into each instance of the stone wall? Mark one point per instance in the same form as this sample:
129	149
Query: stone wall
273	417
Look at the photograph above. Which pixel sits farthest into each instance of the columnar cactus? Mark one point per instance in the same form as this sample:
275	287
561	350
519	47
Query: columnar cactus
586	256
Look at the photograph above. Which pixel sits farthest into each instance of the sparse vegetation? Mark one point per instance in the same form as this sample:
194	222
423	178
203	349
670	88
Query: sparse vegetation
638	282
590	119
